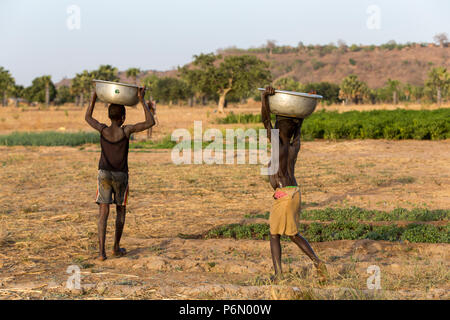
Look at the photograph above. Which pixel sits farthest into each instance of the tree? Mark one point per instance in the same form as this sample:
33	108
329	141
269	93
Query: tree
170	90
41	90
342	45
329	91
199	74
353	89
438	81
150	83
417	92
238	73
407	91
106	72
18	92
441	39
393	87
7	83
133	73
82	83
287	83
47	80
271	44
63	95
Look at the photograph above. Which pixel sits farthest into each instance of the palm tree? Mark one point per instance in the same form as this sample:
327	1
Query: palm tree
439	80
76	89
82	85
47	80
6	84
133	73
393	86
106	72
353	89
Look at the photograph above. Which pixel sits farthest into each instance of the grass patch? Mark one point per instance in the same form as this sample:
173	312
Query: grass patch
359	214
341	230
49	138
239	143
376	124
165	143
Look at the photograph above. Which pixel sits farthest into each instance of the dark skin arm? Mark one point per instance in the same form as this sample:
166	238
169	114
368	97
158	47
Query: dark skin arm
149	119
88	117
265	110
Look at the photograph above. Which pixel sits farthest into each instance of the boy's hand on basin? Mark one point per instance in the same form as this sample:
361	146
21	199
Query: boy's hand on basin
270	91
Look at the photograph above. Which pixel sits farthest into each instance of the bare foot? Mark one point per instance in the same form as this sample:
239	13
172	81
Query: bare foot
275	278
102	257
120	252
322	272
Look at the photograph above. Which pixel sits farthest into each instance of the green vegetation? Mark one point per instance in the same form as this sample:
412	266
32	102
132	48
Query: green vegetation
359	214
316	64
165	143
49	138
341	230
377	124
7	84
133	73
219	76
329	91
353	90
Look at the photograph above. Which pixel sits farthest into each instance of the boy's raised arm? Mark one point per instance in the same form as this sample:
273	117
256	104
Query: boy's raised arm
265	111
149	120
88	117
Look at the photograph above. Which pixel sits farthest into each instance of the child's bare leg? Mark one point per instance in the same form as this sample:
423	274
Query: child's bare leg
275	249
102	222
120	222
303	244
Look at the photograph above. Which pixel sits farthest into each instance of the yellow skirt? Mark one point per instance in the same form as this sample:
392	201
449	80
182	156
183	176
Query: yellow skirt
285	212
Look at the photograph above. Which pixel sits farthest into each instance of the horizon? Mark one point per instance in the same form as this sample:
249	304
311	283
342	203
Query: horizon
70	36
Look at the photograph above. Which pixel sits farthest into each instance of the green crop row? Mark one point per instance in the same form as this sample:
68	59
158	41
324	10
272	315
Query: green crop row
341	230
355	214
377	124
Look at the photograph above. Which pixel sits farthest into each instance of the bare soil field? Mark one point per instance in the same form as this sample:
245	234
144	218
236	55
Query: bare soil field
48	219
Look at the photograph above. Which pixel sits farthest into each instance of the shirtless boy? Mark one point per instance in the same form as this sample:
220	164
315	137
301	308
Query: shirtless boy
285	211
113	166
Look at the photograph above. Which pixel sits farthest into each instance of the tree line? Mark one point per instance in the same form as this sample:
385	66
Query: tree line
222	79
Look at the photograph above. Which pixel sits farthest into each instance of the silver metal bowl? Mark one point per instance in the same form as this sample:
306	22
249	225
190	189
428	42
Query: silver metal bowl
292	104
116	92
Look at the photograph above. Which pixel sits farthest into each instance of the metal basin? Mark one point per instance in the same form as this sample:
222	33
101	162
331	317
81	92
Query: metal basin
292	104
116	92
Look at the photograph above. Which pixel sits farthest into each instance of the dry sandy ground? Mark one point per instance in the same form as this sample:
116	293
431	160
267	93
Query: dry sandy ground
48	217
48	222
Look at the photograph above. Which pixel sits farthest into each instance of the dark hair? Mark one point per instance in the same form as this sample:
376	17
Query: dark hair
116	111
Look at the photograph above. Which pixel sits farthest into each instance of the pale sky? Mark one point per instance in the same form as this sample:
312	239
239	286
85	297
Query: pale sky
36	39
